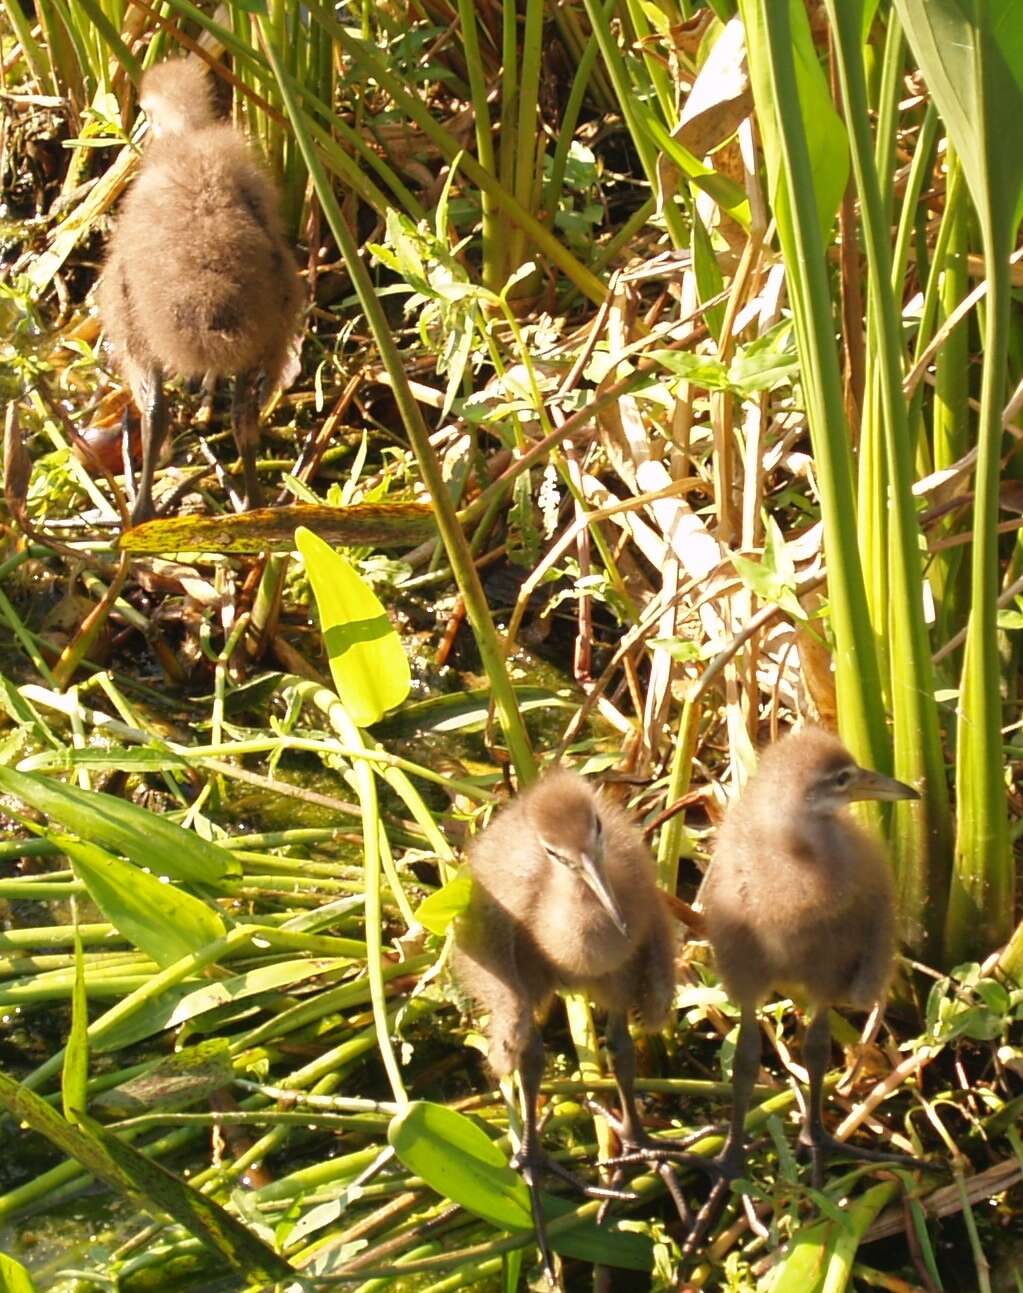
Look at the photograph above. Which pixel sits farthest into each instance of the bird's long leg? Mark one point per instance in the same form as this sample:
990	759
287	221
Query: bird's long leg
531	1161
730	1164
637	1145
148	384
814	1136
245	426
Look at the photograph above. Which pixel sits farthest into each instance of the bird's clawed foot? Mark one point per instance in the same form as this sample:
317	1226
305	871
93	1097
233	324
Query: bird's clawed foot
640	1149
532	1166
821	1145
728	1166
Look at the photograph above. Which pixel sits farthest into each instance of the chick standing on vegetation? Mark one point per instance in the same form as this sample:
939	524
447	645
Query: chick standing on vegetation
799	897
564	897
198	276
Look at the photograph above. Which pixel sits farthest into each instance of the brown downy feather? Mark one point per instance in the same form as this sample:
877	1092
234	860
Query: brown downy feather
797	895
533	926
198	276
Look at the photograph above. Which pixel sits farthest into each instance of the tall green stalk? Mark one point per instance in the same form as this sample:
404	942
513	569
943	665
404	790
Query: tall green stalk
450	530
980	903
493	269
770	49
971	52
527	133
950	424
921	835
872	474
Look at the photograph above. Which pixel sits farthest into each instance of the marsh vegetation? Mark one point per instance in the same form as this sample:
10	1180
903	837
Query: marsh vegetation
658	390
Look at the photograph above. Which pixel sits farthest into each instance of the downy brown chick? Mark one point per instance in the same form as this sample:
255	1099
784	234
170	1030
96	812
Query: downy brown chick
799	897
564	896
198	277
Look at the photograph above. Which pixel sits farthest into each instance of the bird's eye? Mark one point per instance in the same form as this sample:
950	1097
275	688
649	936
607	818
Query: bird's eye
598	827
842	778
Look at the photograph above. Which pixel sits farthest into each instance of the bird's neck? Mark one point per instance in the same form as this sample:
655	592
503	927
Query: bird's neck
814	837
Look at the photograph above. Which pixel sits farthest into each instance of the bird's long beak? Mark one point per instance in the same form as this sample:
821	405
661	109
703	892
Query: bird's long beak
875	785
593	874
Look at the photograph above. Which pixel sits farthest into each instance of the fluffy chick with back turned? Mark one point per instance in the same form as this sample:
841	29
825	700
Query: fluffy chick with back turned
198	277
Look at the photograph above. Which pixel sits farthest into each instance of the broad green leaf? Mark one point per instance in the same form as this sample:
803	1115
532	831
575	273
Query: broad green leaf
699	369
440	909
773	578
126	1170
971	53
821	1255
459	1160
367	661
802	1268
164	922
146	838
768	361
14	1278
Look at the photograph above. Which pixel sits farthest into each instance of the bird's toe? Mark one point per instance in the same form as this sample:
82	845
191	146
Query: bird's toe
819	1147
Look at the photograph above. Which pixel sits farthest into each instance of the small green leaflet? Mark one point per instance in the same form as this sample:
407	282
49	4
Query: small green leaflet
438	911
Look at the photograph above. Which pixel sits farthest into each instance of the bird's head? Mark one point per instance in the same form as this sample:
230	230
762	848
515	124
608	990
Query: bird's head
177	97
565	814
817	770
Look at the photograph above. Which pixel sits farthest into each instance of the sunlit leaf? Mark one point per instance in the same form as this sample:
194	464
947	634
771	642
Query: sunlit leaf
457	1159
14	1278
440	909
164	922
146	838
372	524
367	660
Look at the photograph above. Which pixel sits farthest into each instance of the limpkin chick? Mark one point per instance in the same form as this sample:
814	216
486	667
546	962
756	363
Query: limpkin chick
198	277
564	897
799	897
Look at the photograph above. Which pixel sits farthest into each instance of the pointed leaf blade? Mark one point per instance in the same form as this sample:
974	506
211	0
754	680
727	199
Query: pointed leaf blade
146	838
458	1160
164	922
